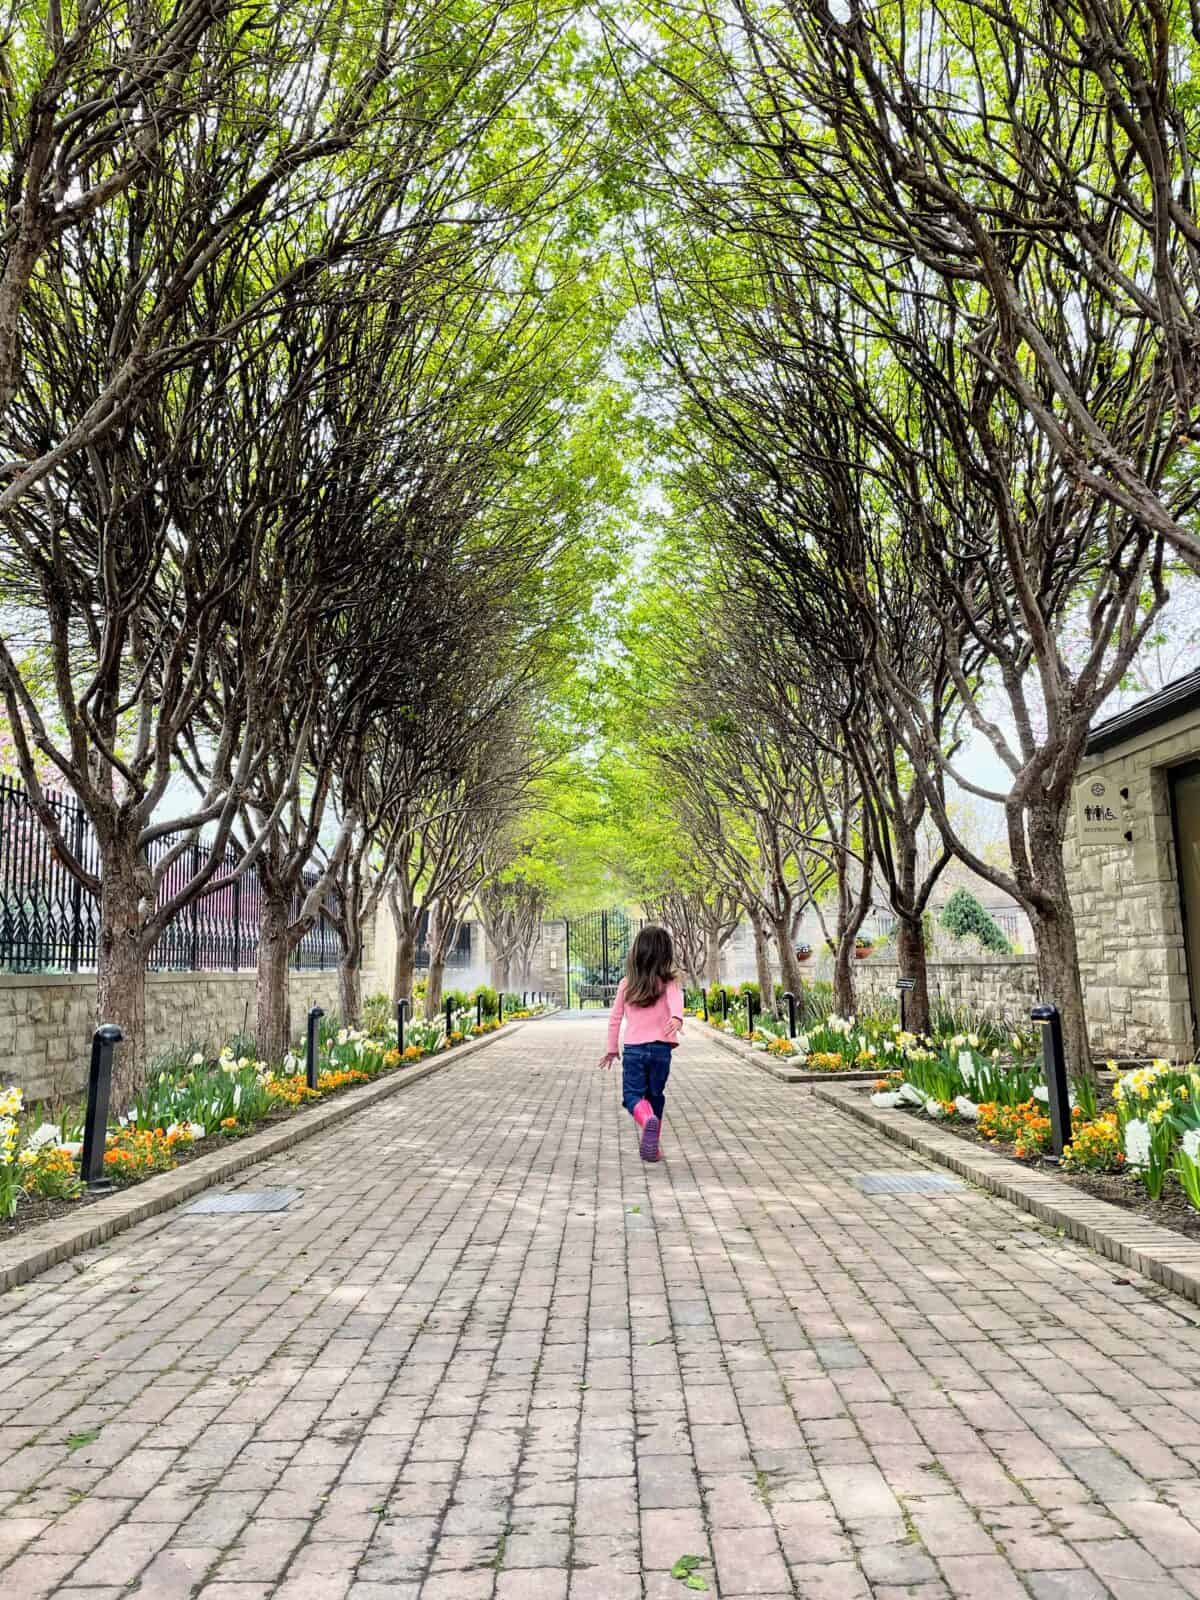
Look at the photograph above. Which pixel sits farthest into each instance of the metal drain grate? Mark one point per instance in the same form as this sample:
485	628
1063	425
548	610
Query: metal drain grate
246	1200
905	1182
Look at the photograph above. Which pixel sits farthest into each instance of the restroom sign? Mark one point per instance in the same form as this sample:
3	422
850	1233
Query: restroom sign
1100	811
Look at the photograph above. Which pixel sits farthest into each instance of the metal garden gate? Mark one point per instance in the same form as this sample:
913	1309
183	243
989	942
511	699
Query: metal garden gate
597	944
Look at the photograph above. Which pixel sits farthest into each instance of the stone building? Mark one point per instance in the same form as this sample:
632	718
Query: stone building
1134	860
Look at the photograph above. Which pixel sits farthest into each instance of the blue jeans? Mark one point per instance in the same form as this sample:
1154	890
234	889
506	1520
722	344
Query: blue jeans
645	1069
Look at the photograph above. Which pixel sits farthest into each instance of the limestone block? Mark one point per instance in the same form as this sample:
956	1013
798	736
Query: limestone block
1153	1014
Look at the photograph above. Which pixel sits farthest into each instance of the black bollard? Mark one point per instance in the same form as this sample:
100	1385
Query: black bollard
95	1128
500	1006
449	1019
403	1009
704	1002
724	1006
479	1011
791	1005
310	1046
904	987
749	1014
1054	1068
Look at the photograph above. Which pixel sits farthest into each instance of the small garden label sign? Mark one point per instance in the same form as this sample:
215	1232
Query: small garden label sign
1100	812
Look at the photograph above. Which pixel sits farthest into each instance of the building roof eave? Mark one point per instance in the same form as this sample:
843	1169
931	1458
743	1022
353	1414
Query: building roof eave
1176	700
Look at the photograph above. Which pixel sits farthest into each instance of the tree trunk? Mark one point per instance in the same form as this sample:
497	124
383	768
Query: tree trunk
712	957
434	980
845	1002
273	1028
350	988
762	962
1054	935
352	944
910	951
121	966
1059	981
405	964
789	966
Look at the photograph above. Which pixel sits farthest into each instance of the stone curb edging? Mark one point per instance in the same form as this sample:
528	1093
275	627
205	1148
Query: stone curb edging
1168	1258
760	1059
45	1246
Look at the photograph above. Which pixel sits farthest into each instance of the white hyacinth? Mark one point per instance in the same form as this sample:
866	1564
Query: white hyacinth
1137	1142
1191	1144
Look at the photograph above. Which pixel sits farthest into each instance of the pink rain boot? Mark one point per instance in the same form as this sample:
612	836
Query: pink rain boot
643	1115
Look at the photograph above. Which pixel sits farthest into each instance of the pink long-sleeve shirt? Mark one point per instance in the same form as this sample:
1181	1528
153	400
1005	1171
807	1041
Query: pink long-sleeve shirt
644	1024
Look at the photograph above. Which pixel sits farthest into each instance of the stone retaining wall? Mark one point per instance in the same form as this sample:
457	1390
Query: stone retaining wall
46	1021
1003	987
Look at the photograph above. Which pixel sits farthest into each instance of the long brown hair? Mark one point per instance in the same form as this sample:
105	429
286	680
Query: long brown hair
649	966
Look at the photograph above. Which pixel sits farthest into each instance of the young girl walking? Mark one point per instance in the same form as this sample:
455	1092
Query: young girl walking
650	1000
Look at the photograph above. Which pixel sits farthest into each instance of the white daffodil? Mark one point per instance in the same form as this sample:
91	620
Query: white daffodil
44	1135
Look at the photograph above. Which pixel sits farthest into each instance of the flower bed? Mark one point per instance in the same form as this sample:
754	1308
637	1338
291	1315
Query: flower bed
190	1107
847	1044
1140	1149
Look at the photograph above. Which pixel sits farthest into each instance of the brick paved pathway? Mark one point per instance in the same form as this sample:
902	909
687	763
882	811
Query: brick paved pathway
491	1355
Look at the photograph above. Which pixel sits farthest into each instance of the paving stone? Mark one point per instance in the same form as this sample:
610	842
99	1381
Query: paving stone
467	1368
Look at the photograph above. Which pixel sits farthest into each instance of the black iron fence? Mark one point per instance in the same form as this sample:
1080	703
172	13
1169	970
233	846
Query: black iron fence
49	922
597	944
458	957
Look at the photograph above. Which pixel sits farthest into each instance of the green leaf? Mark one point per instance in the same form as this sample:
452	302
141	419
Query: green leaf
686	1566
76	1441
695	1582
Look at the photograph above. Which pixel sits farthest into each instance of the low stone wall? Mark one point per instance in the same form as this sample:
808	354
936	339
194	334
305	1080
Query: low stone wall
46	1021
1003	987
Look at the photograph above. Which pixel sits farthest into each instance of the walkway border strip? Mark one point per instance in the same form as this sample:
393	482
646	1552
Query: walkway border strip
1170	1259
43	1247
